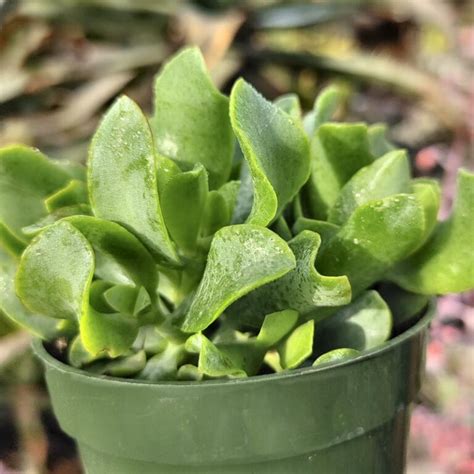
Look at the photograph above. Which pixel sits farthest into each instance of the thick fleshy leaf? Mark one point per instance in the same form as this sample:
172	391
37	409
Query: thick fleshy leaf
229	191
445	264
122	298
406	307
112	241
379	145
325	229
164	366
241	258
27	177
96	296
276	326
326	104
111	334
215	363
297	347
73	194
10	243
189	373
377	235
361	325
191	117
290	103
55	272
216	214
125	366
41	326
428	193
122	179
75	210
302	289
384	177
336	355
183	200
337	152
77	354
244	203
276	150
280	226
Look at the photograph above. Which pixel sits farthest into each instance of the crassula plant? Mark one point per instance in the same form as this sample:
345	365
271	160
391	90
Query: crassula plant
224	237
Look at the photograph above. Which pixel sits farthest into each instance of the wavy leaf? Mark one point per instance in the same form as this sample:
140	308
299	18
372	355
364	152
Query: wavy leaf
386	176
112	241
302	289
183	200
73	194
336	355
191	118
445	264
55	272
27	177
122	180
297	347
275	148
376	236
337	152
361	325
241	258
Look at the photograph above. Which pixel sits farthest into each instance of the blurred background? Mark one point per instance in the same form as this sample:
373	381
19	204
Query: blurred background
408	63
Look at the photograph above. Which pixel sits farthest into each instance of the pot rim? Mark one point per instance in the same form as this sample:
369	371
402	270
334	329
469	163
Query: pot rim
429	312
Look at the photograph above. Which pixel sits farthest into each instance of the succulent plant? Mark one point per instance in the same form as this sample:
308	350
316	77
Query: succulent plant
224	237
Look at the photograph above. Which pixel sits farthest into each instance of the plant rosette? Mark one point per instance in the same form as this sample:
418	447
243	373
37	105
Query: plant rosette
212	244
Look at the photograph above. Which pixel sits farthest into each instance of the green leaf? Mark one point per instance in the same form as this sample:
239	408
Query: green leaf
302	289
75	210
27	177
379	145
112	241
406	307
190	373
164	366
41	326
428	193
363	324
216	214
275	148
125	366
276	326
384	177
241	258
111	334
445	264
280	227
214	363
10	242
182	201
74	193
96	296
122	298
326	104
337	152
297	347
336	355
244	203
326	230
376	236
229	191
191	117
290	103
122	179
55	272
77	354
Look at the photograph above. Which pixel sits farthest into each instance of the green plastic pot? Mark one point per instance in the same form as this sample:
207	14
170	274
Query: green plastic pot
347	418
